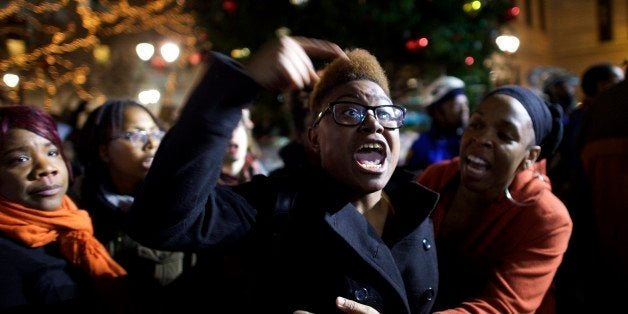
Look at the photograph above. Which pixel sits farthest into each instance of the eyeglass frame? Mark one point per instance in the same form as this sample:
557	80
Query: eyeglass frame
144	136
332	105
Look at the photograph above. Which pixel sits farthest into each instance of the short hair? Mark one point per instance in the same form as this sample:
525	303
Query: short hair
36	120
99	127
361	65
595	74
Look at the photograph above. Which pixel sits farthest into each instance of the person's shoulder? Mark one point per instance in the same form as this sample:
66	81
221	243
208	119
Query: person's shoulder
553	209
45	270
403	185
541	207
37	277
11	250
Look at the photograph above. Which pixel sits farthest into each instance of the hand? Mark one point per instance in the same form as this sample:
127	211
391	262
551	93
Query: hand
348	306
352	307
285	63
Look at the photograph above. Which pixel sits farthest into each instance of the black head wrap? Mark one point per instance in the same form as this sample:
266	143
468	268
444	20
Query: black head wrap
546	117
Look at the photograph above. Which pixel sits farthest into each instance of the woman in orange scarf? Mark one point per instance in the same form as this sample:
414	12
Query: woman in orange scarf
48	254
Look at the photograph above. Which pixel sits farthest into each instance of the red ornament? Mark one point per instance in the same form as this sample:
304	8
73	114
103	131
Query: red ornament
411	46
416	45
158	63
469	60
423	42
512	13
229	6
195	58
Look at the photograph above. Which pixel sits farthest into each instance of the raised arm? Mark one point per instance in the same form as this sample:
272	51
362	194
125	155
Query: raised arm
180	205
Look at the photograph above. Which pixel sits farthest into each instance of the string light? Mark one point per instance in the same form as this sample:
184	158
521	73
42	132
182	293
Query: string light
45	67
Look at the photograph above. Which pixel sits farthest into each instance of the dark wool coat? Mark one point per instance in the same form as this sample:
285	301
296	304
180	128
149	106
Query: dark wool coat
255	257
38	278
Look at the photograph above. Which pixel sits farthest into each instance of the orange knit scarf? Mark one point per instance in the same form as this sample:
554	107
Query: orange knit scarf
69	226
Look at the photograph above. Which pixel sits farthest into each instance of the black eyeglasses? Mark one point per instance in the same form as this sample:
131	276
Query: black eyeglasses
351	114
140	138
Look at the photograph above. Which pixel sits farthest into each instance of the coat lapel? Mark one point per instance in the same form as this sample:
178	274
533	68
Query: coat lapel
355	230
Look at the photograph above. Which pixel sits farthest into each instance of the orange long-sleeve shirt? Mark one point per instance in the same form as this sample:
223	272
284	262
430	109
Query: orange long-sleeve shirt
505	262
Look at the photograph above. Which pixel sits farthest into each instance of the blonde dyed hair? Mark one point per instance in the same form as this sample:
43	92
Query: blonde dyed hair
361	65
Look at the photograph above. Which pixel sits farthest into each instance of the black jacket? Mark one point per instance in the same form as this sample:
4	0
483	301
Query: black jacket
40	279
252	256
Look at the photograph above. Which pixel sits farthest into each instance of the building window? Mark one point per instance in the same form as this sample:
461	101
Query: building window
528	9
542	22
605	19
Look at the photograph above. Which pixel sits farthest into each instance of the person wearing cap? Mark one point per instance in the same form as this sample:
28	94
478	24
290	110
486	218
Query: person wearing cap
355	230
500	232
448	107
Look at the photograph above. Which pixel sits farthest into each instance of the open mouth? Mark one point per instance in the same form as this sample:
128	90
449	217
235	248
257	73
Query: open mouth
147	162
476	165
370	156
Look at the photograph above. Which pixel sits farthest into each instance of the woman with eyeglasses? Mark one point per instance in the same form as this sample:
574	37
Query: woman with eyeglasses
49	257
348	234
500	231
117	144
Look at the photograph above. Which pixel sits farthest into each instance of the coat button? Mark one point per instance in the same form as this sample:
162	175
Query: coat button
426	244
361	294
427	295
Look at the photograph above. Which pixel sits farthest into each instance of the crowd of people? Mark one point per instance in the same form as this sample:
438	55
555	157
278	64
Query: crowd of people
505	208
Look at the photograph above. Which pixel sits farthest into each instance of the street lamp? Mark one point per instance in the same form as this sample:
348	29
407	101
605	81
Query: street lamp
145	51
170	52
507	43
11	80
148	97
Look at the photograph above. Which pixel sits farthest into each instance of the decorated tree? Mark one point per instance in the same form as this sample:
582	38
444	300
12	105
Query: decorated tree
416	40
83	49
80	49
450	36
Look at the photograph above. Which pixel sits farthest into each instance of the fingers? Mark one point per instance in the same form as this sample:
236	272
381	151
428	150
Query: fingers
298	63
350	306
321	49
286	64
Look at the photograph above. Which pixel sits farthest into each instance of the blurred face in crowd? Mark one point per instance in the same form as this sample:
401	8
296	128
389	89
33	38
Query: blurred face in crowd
237	148
33	172
363	156
130	153
564	94
454	113
497	142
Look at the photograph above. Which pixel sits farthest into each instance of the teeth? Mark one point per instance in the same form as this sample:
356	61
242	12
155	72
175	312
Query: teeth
371	146
371	165
476	160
